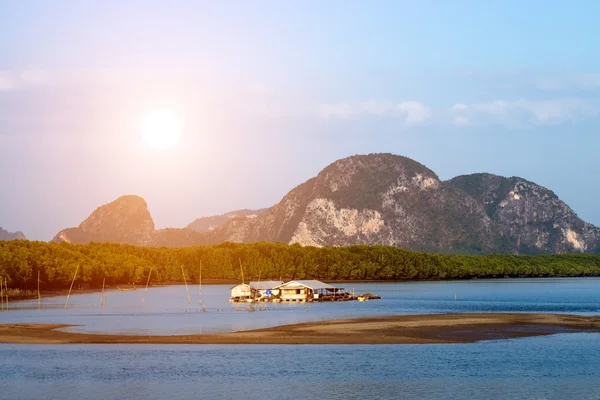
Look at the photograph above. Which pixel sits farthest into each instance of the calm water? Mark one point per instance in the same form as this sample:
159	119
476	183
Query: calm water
166	311
556	367
565	366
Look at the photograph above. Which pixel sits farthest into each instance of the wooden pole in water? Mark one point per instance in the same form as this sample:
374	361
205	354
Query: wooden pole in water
102	301
186	285
1	294
200	285
39	296
6	292
147	282
71	288
241	269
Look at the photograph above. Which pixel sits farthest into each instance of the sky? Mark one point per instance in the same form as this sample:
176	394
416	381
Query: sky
269	93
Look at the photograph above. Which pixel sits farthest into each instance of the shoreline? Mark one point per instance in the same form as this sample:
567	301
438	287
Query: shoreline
406	329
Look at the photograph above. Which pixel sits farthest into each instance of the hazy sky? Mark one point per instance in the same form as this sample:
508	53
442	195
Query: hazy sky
269	93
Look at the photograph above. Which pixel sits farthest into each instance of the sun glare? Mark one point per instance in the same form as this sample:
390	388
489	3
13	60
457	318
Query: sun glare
160	128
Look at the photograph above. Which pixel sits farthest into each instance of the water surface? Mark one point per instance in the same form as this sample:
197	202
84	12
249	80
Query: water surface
166	311
565	366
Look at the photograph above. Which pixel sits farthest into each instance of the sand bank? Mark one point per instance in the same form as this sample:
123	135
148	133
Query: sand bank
433	328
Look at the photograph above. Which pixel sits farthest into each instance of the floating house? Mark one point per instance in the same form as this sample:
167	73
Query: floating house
254	291
266	288
243	292
293	291
310	290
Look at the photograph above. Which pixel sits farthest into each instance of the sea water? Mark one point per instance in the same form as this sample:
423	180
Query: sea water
564	366
166	311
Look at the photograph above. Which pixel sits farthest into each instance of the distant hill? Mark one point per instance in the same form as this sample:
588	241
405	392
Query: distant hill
373	199
126	220
6	235
207	224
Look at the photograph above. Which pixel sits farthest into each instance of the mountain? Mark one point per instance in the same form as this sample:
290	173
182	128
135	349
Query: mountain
207	224
530	218
126	220
393	200
373	199
6	235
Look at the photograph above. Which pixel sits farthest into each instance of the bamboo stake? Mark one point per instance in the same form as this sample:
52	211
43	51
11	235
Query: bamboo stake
1	294
6	292
186	285
147	282
241	269
39	296
72	282
102	299
200	285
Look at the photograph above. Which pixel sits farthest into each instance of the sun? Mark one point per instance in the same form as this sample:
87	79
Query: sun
160	128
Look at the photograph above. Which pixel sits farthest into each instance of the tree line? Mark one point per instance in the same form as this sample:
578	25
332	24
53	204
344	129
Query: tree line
21	260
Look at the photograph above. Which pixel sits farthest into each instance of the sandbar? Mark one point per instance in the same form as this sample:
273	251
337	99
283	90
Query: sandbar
405	329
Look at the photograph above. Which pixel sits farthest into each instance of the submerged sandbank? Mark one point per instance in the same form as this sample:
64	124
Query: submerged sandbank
411	329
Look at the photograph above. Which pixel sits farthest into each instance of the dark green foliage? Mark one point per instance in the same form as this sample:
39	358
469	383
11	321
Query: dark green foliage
120	263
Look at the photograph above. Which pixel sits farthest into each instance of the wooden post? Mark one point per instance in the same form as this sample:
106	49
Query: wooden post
147	282
186	285
71	288
241	269
200	287
6	292
39	296
1	294
102	301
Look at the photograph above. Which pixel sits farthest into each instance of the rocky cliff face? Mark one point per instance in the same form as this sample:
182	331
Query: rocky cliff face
207	224
6	235
372	199
529	217
125	220
392	200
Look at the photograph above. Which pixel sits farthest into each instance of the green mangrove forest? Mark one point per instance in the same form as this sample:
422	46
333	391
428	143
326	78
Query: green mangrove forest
20	261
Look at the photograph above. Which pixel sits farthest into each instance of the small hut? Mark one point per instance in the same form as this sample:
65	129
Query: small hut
242	292
308	290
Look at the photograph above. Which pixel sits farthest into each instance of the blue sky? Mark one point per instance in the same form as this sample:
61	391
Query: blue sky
269	93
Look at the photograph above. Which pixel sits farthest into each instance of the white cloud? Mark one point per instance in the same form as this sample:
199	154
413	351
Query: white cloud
14	80
34	76
415	112
412	112
522	112
461	121
458	107
7	81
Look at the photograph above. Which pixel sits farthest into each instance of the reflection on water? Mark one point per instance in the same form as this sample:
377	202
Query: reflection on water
553	367
166	311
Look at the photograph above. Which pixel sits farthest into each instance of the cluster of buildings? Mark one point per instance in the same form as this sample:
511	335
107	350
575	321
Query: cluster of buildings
292	291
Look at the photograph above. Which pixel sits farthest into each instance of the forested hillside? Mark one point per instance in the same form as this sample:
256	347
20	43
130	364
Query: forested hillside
119	263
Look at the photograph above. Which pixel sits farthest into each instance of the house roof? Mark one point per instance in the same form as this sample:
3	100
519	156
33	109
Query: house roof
240	284
262	285
311	284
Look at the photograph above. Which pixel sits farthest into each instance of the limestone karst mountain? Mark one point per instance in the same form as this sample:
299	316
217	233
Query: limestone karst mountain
6	235
374	199
207	224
